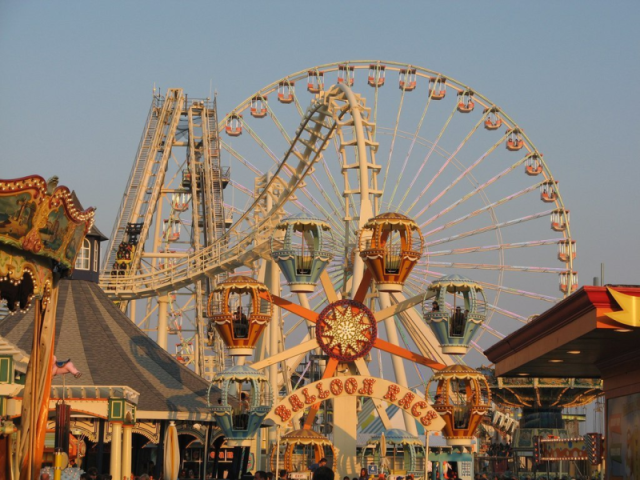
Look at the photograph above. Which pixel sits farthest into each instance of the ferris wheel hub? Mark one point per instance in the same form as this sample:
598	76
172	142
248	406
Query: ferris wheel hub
346	330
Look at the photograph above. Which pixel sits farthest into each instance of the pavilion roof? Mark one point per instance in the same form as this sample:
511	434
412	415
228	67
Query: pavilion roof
109	349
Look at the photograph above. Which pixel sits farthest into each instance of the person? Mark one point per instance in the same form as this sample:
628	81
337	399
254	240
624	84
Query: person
435	307
323	472
314	466
244	403
346	477
363	474
84	476
269	475
240	324
144	476
282	475
93	473
45	476
457	324
260	475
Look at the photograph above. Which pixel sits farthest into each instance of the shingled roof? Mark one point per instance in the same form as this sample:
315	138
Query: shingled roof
109	349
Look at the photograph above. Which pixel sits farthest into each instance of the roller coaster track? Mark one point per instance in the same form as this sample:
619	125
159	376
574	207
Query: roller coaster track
321	121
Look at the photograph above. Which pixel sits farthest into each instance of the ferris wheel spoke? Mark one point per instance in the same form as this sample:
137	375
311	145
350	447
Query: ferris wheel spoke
520	293
329	370
393	141
488	266
489	248
488	228
506	313
419	282
256	171
363	369
406	354
265	148
296	102
478	189
363	288
411	146
291	307
400	307
464	174
434	145
447	162
289	173
375	110
327	284
334	184
300	349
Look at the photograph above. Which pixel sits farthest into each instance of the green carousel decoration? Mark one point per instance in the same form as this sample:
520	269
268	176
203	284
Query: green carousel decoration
42	227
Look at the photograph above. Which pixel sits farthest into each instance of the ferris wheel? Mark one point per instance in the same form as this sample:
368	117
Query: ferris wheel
437	151
345	142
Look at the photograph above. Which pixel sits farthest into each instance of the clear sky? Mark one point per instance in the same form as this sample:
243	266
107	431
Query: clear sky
76	80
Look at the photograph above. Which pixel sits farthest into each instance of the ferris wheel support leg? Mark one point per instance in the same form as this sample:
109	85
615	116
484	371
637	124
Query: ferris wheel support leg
132	311
163	329
397	363
272	277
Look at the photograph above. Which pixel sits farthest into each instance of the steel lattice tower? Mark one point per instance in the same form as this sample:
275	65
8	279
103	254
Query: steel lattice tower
172	206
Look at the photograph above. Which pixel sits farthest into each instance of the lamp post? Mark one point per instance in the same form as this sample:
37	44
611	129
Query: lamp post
426	454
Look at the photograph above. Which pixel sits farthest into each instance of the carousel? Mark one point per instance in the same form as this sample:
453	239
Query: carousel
42	229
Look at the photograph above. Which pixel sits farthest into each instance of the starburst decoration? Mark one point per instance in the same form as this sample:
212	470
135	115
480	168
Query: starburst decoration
345	330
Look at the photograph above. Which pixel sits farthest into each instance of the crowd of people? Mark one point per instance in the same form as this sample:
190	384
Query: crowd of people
499	450
508	476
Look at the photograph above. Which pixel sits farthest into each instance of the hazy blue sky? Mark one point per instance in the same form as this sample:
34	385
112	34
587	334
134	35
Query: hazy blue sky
76	80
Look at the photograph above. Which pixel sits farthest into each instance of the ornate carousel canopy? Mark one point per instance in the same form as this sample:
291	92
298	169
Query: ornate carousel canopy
42	226
110	350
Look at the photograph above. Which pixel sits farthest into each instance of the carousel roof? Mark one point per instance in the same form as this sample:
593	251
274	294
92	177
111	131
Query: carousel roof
305	437
395	436
109	349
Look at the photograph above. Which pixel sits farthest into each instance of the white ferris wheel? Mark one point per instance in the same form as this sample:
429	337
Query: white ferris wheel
431	148
344	142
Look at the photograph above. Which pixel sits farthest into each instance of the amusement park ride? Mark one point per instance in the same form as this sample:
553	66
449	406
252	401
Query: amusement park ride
304	198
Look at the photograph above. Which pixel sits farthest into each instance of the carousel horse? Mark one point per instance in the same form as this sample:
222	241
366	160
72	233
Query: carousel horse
65	366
